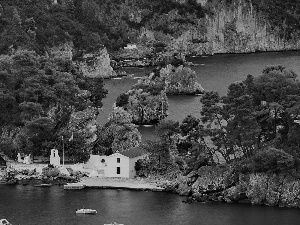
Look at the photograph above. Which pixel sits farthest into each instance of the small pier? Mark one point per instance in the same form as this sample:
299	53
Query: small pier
74	186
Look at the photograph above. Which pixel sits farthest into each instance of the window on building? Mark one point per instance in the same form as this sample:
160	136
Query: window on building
118	170
118	160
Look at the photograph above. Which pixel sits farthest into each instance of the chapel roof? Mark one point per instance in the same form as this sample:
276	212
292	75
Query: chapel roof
133	152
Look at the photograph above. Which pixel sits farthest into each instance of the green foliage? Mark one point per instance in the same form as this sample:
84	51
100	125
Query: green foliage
282	15
117	134
50	172
76	149
166	129
269	160
257	112
122	100
38	95
89	24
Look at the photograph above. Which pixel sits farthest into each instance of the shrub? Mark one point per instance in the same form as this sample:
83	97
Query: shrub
270	160
50	172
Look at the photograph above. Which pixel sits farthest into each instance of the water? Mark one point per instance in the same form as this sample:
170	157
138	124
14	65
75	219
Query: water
29	205
214	73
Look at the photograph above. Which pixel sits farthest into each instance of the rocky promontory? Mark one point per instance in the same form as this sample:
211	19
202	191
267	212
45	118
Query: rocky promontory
224	183
96	64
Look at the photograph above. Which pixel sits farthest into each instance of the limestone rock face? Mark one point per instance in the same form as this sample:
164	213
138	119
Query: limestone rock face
234	27
180	80
212	179
96	64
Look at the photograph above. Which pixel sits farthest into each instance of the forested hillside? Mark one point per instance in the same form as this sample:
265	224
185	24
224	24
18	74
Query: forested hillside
38	24
89	24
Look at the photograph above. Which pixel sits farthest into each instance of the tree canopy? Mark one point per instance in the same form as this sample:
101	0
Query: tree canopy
38	98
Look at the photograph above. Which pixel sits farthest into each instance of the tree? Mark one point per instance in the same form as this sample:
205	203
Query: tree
215	120
117	134
37	132
76	149
257	112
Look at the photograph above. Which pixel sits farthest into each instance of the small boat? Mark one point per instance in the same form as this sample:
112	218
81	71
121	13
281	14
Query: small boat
43	185
4	221
114	223
147	125
86	211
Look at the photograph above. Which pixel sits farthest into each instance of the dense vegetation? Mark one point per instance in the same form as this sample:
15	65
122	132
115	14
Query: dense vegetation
255	126
89	24
38	96
283	15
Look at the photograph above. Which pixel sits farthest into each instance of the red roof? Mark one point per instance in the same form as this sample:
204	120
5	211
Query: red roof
133	152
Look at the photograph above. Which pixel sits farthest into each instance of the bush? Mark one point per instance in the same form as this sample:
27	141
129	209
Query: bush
50	172
270	160
142	168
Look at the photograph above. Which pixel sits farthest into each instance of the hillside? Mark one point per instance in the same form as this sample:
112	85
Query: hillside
188	26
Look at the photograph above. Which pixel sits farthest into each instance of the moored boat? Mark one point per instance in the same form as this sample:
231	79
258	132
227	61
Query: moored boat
114	223
43	185
86	211
4	221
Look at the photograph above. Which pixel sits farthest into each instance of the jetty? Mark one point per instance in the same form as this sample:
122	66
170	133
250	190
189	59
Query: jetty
120	183
74	186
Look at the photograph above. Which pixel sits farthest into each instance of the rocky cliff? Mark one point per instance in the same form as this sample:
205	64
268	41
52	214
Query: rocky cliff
224	183
96	64
233	27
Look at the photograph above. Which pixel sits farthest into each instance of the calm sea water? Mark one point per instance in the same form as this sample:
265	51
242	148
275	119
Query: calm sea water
29	205
214	73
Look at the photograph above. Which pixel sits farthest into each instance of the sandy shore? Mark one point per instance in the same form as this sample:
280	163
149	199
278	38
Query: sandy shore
120	183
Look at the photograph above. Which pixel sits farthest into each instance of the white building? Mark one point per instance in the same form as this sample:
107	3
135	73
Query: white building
119	164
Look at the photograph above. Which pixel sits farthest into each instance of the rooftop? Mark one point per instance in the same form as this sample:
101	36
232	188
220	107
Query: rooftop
134	152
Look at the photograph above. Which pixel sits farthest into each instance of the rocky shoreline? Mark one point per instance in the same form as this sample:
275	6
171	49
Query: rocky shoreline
226	184
220	183
24	175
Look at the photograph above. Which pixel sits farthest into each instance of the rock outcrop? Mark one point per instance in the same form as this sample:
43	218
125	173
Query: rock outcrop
180	80
224	183
96	64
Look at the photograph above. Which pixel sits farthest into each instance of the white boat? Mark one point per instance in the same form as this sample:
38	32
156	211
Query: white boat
114	223
4	221
86	211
